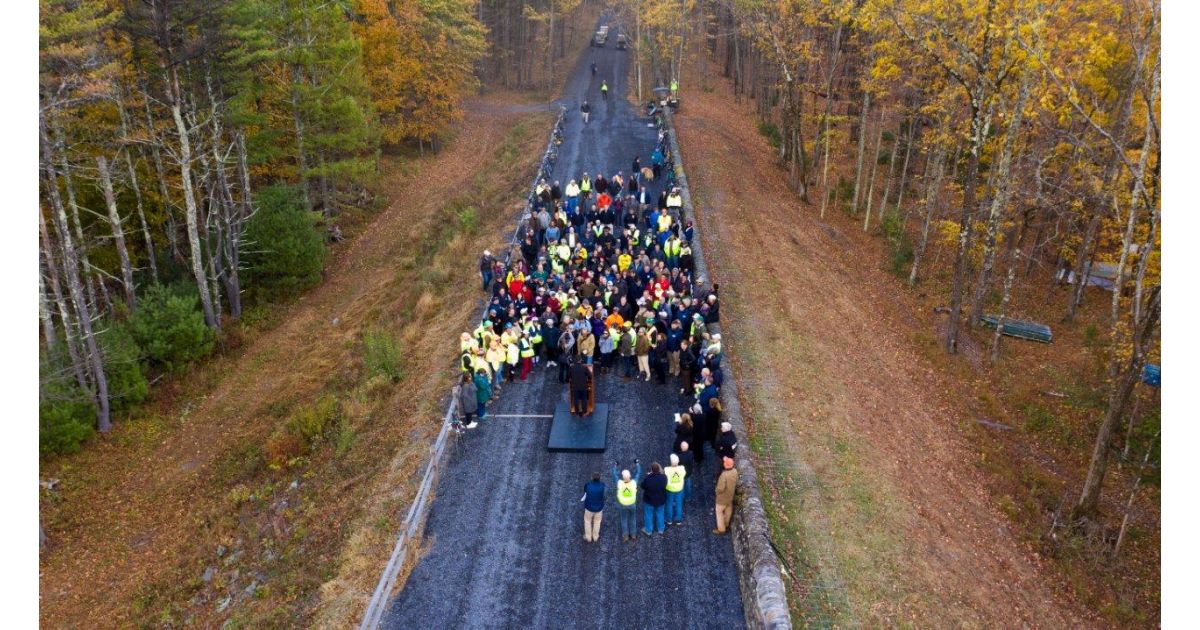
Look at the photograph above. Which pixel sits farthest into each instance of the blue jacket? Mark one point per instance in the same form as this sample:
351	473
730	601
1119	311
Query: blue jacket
674	336
593	496
654	489
706	395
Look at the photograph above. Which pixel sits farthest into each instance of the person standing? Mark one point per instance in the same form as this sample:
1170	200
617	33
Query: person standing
593	508
566	352
700	433
726	445
580	377
684	430
687	365
483	393
726	487
468	402
654	500
625	348
486	263
675	477
713	419
642	350
686	459
604	89
627	488
584	110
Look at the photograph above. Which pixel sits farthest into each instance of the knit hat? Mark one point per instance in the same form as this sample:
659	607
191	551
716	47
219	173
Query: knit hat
725	426
728	461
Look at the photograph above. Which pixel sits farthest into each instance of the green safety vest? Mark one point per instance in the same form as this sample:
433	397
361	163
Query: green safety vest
675	475
627	492
526	348
585	185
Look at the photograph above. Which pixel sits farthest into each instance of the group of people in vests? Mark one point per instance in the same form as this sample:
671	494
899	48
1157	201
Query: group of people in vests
604	275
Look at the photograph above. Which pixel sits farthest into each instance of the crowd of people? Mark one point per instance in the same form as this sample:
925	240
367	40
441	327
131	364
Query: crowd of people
604	277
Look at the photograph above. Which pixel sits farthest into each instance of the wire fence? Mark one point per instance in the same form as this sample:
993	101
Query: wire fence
414	520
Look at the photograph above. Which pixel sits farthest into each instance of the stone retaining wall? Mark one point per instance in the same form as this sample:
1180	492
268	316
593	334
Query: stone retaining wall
763	594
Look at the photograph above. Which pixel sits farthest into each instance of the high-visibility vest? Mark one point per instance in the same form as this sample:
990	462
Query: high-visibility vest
526	348
585	185
623	261
512	354
674	201
556	264
675	475
626	492
598	230
664	222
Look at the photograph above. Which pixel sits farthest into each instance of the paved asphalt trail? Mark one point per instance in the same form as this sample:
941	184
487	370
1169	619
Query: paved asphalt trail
505	532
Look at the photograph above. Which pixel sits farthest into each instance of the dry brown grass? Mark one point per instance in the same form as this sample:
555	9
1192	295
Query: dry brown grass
141	513
867	439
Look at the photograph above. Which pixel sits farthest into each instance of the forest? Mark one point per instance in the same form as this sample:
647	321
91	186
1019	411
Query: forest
1025	135
196	157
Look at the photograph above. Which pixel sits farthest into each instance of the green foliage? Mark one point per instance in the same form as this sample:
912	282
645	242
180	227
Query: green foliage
900	254
312	421
127	385
66	413
770	131
381	354
286	251
169	328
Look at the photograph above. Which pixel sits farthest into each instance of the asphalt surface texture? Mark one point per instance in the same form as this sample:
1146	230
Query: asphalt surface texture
504	536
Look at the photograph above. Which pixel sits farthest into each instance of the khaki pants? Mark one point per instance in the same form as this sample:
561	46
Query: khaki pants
724	515
591	525
643	361
673	363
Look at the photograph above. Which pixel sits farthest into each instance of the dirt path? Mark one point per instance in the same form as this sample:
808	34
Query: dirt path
139	505
838	382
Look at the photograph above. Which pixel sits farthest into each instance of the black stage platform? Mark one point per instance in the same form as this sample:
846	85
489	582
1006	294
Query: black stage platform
573	434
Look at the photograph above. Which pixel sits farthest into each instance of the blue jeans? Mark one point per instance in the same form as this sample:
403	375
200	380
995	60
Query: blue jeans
655	515
629	361
675	507
687	489
498	378
486	276
481	411
572	204
628	516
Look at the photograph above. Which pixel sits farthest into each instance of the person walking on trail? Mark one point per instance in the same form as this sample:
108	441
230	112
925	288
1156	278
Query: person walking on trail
593	68
483	393
486	263
726	487
580	377
627	488
674	88
584	110
654	500
593	508
604	89
468	401
675	477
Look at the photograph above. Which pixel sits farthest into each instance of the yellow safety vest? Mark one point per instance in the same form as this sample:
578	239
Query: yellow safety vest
626	492
664	222
585	185
526	348
675	475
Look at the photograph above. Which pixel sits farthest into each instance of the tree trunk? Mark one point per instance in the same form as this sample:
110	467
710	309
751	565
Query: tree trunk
298	123
114	219
193	211
137	191
912	136
891	174
979	125
1004	300
1122	388
933	190
999	202
862	148
73	206
874	167
64	313
163	191
74	284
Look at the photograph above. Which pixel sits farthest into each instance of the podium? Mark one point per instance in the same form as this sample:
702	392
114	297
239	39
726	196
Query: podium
579	434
